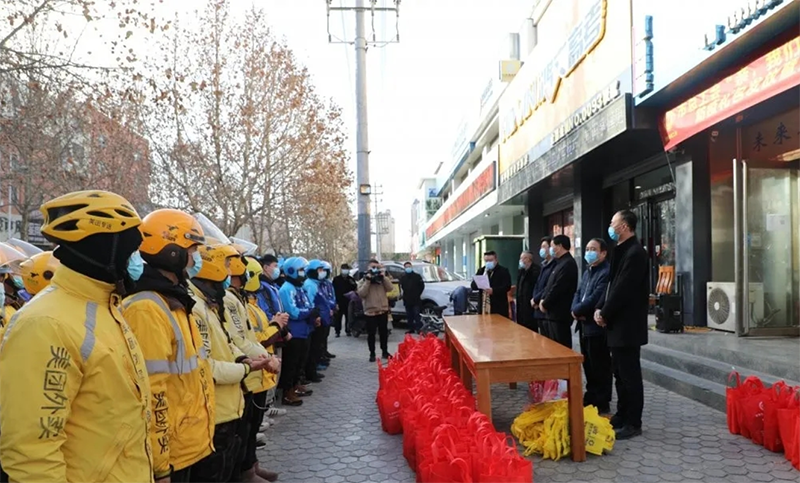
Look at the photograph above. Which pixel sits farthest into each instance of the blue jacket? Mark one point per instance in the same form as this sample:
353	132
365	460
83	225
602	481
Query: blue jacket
541	284
320	299
329	292
296	304
592	288
268	299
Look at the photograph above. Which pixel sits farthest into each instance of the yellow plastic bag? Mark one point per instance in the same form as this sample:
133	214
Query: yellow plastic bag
544	429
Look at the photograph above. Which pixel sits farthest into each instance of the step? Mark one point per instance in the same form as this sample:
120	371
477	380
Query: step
777	357
702	390
703	367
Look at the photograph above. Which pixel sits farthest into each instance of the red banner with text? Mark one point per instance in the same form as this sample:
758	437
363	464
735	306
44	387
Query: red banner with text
763	78
480	187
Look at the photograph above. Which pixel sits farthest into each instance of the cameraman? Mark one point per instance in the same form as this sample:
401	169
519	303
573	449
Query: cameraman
372	289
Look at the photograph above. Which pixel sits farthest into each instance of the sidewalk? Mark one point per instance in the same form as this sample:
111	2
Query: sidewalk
336	437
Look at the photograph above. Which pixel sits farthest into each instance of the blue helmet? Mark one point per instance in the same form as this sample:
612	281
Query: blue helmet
293	265
327	265
313	266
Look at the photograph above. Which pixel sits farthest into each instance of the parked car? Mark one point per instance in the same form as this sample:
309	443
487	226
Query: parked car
439	284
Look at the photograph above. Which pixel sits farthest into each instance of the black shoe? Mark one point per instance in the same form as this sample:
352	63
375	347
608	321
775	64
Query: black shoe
320	376
628	432
348	334
330	356
410	332
372	357
386	355
338	335
617	422
603	409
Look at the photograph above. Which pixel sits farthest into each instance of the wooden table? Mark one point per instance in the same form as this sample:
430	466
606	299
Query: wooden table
494	349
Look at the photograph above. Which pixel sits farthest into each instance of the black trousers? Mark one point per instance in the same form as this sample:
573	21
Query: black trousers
315	351
557	330
242	433
218	467
338	315
626	362
256	417
181	476
530	323
295	353
380	324
597	367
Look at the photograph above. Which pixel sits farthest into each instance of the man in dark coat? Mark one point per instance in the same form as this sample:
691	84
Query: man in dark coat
548	263
556	303
343	284
623	311
594	345
528	275
499	281
412	286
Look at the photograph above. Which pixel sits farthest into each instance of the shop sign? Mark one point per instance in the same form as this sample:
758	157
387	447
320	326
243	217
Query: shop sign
738	20
480	187
763	78
643	59
598	102
562	75
544	86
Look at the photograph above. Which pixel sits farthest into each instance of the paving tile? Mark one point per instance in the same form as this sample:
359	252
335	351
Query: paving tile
335	437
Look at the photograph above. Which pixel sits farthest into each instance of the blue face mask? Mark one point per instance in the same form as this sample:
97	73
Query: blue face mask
135	266
542	253
590	257
521	265
409	270
613	234
198	264
322	276
301	273
489	265
276	273
226	283
374	269
552	252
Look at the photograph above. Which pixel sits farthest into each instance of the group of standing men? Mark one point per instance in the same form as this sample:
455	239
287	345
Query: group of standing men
609	306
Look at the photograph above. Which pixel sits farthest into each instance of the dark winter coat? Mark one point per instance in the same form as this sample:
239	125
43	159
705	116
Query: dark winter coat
593	287
500	281
412	286
561	287
526	281
627	300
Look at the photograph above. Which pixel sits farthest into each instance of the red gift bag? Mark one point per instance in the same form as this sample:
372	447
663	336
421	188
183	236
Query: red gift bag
780	397
456	470
731	402
389	410
509	469
788	418
749	410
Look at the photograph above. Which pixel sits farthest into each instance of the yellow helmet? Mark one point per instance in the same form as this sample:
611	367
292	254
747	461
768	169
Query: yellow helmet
166	227
238	267
37	271
254	270
75	216
215	262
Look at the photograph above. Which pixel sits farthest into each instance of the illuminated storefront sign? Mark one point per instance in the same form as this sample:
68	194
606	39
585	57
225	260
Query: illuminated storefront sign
763	78
544	86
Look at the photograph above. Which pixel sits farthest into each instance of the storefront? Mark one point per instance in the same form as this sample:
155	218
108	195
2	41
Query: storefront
567	123
728	220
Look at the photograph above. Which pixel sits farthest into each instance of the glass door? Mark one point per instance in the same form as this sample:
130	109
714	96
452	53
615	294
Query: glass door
644	231
768	249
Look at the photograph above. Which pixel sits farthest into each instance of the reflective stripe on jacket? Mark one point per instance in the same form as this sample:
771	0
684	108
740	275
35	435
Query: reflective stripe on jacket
243	336
74	391
180	380
222	355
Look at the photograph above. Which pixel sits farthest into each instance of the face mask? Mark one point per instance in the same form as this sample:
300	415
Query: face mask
276	273
552	251
322	276
198	264
489	265
374	269
135	266
301	273
590	257
2	295
226	283
521	265
613	234
542	253
409	270
345	273
19	283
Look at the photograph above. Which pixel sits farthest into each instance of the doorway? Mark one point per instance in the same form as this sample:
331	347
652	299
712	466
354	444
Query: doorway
767	246
656	231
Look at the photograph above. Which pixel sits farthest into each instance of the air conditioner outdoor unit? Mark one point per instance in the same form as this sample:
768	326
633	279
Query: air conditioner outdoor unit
722	306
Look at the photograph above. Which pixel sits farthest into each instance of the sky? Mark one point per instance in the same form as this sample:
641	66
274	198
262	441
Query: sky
418	89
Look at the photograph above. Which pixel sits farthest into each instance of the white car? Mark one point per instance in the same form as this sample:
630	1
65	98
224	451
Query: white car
439	284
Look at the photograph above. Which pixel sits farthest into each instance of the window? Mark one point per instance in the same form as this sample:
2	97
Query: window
433	273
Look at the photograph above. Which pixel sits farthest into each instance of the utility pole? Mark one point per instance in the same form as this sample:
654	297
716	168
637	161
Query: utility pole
362	132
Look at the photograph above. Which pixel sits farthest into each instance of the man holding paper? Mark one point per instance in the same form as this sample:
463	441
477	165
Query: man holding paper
499	283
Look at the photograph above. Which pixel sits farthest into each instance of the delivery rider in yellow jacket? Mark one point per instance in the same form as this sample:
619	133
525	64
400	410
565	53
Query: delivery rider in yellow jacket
74	392
160	314
37	271
229	365
10	257
257	384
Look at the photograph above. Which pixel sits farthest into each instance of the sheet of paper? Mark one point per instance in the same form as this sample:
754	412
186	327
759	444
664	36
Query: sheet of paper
777	222
482	281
